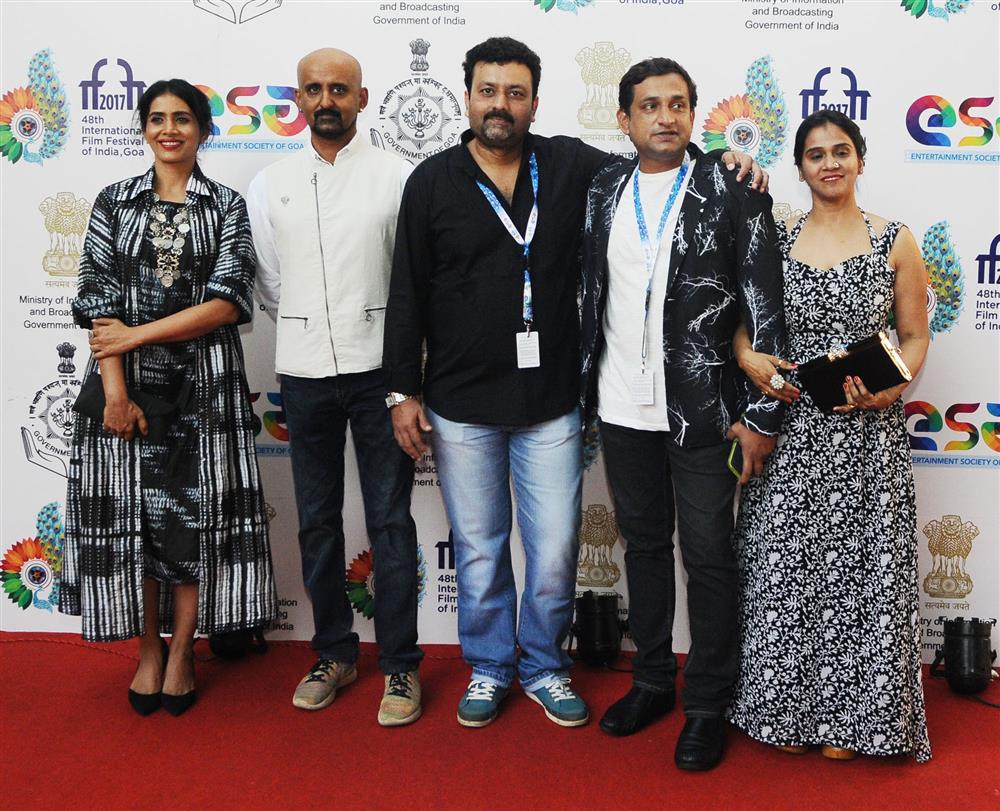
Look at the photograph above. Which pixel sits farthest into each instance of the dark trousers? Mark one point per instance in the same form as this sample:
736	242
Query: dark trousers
317	413
654	483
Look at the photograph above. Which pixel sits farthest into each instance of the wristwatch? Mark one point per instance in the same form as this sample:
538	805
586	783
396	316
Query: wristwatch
394	398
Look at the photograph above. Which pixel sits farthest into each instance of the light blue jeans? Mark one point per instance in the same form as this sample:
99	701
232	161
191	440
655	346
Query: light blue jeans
475	464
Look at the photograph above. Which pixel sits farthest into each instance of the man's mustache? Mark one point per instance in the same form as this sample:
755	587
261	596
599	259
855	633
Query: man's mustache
333	114
503	116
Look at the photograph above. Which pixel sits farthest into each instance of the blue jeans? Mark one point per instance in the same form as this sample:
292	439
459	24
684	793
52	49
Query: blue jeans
475	463
317	412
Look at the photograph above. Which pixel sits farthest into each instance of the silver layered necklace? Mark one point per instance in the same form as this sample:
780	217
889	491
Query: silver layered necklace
168	235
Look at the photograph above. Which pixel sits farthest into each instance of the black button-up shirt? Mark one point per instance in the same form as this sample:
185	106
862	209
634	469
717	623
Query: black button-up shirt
457	281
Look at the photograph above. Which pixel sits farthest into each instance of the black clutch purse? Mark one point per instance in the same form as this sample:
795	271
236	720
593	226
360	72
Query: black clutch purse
159	412
875	360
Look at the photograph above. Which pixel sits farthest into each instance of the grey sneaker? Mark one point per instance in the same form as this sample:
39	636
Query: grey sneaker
562	705
318	687
400	700
480	703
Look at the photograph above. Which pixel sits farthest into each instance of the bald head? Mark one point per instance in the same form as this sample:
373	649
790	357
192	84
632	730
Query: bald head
330	97
325	59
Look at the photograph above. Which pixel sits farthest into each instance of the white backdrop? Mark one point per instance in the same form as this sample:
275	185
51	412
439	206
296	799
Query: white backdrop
922	78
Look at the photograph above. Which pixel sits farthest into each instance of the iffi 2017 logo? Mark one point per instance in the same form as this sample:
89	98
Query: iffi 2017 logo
93	95
755	122
855	100
989	263
30	568
34	120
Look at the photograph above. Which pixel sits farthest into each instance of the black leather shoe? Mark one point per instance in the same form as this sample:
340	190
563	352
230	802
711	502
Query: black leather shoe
700	746
143	703
146	703
178	705
638	708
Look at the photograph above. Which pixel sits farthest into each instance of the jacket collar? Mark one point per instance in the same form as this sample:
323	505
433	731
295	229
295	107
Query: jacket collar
348	150
197	185
690	213
468	164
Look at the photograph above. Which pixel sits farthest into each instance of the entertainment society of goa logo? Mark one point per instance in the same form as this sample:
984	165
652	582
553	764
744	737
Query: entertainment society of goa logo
34	120
30	568
419	117
49	433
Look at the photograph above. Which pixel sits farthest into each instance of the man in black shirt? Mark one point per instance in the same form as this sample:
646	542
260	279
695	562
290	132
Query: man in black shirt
486	271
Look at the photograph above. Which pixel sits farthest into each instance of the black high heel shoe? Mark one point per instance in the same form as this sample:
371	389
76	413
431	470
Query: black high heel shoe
178	705
146	703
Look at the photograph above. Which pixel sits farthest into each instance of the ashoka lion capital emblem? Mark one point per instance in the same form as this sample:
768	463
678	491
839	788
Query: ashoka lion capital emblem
66	221
598	536
601	68
419	48
950	543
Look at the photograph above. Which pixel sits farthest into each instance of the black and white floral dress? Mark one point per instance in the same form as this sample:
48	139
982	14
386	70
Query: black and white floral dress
826	539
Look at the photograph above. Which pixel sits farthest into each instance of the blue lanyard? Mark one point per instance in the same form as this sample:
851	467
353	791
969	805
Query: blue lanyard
652	250
527	309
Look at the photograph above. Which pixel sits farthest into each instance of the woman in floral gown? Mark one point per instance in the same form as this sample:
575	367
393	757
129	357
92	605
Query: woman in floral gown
827	535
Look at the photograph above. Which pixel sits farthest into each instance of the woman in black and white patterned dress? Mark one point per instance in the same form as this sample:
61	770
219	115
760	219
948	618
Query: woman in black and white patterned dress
167	532
827	535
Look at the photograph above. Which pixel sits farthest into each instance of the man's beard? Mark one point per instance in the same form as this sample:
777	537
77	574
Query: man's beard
498	129
328	125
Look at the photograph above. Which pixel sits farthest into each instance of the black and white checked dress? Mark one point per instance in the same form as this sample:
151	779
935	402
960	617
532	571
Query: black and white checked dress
119	502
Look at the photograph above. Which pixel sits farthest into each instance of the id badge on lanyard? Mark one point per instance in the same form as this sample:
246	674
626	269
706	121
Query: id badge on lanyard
528	353
641	383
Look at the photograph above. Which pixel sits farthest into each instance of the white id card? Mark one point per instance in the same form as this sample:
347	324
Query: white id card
528	356
642	387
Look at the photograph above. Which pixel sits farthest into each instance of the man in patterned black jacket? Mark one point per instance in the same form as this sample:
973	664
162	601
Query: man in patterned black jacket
675	254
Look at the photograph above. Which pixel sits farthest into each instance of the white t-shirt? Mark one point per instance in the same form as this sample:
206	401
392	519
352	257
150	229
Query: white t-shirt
623	313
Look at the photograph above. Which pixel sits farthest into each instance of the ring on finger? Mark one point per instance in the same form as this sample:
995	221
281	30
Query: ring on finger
777	382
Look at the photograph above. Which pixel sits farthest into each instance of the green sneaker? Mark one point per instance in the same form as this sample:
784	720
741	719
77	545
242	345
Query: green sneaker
400	700
480	703
561	704
319	686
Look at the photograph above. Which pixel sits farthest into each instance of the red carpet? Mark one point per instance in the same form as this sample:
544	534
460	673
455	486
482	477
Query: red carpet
71	741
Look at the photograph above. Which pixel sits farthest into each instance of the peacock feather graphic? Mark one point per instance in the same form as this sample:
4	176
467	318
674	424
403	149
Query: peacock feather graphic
563	5
918	7
946	289
34	120
755	122
30	569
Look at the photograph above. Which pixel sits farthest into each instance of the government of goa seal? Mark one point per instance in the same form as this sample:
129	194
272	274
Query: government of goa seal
419	117
49	433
